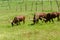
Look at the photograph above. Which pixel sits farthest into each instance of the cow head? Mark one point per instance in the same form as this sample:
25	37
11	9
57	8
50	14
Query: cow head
12	23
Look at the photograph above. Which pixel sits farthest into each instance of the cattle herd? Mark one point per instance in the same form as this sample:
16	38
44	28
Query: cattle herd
36	17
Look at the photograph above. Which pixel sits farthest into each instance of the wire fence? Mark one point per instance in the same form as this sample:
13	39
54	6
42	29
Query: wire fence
32	6
57	5
51	4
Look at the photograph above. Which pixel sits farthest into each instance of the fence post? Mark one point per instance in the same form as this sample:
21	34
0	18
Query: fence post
9	3
57	5
16	6
42	5
36	6
32	7
51	5
25	6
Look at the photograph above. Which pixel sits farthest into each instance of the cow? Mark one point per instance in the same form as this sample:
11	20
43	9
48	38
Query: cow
18	19
57	14
38	16
50	16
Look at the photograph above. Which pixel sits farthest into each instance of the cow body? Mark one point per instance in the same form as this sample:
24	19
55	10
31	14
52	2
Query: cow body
18	19
38	16
50	16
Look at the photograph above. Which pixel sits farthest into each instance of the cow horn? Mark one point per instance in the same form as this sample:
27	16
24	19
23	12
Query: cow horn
43	18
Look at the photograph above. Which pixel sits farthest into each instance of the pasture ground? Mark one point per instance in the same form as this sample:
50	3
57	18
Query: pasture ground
40	31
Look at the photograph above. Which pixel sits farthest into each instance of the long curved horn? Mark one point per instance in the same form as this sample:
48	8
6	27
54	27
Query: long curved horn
43	18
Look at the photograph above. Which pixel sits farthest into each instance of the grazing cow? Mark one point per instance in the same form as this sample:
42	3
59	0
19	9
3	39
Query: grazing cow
18	19
50	16
35	19
38	16
56	15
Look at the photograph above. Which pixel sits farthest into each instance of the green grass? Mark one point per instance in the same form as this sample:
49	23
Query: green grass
40	31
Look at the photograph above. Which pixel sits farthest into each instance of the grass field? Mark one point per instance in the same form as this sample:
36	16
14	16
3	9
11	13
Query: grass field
40	31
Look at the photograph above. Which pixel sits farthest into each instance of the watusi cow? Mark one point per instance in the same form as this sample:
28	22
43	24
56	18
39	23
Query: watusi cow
56	14
38	16
18	19
50	16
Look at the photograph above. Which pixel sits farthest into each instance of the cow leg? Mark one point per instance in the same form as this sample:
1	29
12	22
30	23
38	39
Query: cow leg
52	20
41	19
37	20
17	23
23	21
58	18
49	20
46	21
34	21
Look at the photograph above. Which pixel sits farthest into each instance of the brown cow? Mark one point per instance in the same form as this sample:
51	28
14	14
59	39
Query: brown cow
38	16
48	17
56	14
51	16
18	19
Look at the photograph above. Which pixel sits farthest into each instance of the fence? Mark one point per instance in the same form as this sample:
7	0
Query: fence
32	6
